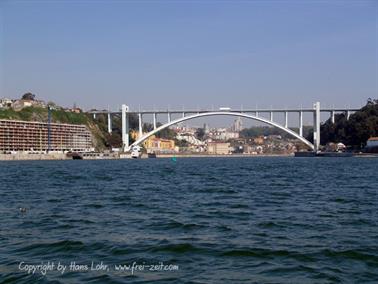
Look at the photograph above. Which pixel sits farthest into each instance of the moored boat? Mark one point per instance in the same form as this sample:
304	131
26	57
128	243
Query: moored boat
136	152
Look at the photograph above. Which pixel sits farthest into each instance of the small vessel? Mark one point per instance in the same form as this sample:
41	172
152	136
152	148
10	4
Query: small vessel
136	152
305	154
74	155
151	155
335	154
323	154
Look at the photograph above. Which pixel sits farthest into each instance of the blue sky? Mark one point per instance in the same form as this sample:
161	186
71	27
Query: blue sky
190	53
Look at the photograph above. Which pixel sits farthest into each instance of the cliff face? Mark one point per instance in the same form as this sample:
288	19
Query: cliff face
99	137
59	116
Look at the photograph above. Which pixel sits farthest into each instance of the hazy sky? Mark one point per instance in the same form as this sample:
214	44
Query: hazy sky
191	53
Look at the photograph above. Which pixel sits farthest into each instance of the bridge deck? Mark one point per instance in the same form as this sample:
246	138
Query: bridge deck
231	110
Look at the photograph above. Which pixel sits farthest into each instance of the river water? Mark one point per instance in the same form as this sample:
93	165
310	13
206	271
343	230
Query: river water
193	220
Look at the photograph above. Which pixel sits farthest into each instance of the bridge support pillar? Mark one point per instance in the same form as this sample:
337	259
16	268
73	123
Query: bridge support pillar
125	128
94	116
316	126
154	119
109	123
301	123
169	117
140	125
333	116
286	119
347	114
271	116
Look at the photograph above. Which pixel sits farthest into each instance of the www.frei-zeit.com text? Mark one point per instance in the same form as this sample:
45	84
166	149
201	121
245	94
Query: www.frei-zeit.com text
132	268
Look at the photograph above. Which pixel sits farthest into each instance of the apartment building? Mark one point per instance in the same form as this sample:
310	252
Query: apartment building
28	136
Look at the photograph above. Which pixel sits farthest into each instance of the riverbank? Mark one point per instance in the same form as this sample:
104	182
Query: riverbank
24	156
54	156
219	156
102	156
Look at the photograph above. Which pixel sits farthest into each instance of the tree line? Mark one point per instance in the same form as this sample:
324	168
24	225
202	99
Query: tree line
353	132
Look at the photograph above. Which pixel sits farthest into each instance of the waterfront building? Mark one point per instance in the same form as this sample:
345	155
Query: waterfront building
159	145
372	142
31	136
218	148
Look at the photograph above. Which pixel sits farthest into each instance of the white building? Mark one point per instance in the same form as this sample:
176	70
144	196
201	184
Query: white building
223	134
206	128
372	142
218	148
237	125
190	138
4	102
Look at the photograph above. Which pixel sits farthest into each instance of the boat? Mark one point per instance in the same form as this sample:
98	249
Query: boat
305	154
74	155
335	154
136	152
151	155
323	154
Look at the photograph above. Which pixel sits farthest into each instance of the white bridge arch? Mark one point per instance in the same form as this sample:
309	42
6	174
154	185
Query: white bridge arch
214	113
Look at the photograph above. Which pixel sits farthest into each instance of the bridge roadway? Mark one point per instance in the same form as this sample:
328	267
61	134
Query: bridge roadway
175	111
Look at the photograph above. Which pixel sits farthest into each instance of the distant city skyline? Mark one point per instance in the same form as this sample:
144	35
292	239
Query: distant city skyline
193	54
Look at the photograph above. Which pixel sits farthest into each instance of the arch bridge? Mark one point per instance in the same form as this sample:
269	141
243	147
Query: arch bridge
254	114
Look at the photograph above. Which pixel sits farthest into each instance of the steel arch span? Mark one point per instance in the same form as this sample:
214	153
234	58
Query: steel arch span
272	123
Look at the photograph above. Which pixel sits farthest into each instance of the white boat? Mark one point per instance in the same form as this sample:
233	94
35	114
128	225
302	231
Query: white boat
136	152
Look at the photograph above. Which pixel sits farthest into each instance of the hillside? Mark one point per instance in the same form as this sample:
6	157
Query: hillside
256	131
354	132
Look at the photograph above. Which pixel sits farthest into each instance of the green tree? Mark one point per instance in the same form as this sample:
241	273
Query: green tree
28	96
166	133
147	127
353	132
200	133
114	140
